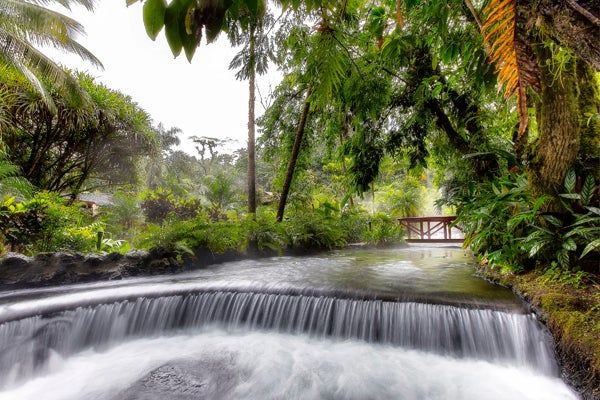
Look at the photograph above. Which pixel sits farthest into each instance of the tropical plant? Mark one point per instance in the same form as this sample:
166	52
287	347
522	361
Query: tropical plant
158	205
46	222
383	230
82	147
263	232
11	183
495	216
251	60
25	25
569	240
220	193
123	214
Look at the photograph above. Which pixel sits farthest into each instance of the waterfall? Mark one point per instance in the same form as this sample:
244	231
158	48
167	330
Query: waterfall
518	339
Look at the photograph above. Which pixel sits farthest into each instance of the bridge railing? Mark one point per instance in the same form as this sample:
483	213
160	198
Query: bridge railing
431	229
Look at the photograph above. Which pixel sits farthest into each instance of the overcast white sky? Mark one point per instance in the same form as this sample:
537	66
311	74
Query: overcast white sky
202	98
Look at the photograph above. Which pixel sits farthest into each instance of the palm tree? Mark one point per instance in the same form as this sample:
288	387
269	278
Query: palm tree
26	24
252	59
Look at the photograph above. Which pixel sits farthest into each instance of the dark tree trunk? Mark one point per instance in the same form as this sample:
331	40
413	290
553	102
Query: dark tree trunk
251	126
558	142
293	158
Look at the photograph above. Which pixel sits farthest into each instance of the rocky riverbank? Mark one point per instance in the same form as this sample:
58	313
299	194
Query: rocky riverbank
572	314
45	269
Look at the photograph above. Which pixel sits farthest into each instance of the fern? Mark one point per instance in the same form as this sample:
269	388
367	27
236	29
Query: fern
508	45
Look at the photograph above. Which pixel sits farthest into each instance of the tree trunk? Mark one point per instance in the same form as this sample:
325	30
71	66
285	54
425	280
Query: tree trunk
251	126
573	24
589	114
293	158
558	142
344	135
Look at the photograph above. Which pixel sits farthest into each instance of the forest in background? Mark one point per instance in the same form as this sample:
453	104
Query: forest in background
384	107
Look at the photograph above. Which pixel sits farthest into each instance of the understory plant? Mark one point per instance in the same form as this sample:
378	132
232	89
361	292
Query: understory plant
507	228
47	222
494	216
569	239
383	229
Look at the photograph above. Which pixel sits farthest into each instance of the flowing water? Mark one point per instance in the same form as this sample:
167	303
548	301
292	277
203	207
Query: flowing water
406	323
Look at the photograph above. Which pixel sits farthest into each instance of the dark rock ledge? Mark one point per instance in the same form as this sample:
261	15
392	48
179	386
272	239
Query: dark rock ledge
47	269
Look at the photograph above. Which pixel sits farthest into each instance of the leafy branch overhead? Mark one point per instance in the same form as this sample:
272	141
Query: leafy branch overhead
505	34
187	21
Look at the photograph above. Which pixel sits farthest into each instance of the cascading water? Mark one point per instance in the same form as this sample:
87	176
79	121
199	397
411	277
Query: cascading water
283	328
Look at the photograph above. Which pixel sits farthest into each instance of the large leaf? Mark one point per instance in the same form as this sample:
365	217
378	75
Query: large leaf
569	245
509	48
154	16
187	31
172	27
588	189
553	220
593	246
570	180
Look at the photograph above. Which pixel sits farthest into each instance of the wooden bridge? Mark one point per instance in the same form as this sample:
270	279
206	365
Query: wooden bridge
430	229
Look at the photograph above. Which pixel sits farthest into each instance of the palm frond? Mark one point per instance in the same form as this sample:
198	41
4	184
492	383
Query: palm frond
88	4
26	24
509	48
35	65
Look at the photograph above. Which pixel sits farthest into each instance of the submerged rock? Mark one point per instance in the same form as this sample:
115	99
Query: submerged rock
185	380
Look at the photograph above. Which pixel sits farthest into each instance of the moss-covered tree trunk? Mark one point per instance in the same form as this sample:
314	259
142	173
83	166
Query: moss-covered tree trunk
589	118
558	142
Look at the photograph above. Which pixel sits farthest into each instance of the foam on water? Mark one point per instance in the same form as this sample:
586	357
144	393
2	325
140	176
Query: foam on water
259	365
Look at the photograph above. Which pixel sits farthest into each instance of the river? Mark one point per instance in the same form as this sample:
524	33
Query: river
398	323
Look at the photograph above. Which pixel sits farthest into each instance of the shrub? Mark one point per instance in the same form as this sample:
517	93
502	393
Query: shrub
569	239
157	205
383	230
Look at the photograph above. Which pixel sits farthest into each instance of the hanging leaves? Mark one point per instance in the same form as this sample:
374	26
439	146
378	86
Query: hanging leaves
508	46
154	17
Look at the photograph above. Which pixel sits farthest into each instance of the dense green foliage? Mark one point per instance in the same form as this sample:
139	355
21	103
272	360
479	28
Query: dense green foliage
380	104
27	24
507	226
80	147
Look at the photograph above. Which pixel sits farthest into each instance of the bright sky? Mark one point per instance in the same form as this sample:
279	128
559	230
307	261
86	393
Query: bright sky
202	98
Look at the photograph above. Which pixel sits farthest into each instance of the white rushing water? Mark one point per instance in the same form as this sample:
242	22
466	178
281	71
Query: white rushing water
407	324
259	365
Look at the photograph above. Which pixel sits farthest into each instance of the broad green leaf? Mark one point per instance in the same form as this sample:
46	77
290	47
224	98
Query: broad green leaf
569	245
537	246
588	189
154	16
593	246
187	33
172	27
562	256
584	231
587	219
595	210
571	196
570	180
553	220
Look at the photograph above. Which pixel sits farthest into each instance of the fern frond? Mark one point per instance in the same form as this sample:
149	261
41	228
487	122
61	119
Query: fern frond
509	48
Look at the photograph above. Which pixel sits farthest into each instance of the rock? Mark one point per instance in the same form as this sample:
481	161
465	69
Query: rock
18	270
212	378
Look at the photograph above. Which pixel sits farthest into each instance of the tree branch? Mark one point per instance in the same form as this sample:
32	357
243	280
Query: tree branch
593	19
